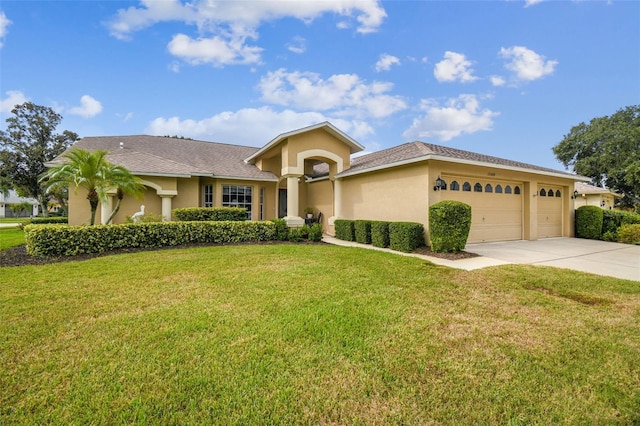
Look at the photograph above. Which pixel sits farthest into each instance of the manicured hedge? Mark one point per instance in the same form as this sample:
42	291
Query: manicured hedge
449	225
380	234
208	214
345	229
50	219
362	230
406	236
62	240
629	234
589	222
282	230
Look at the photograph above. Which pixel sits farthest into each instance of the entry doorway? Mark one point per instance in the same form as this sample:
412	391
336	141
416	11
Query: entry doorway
282	202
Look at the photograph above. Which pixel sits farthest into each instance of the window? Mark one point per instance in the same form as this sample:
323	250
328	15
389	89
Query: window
466	187
237	196
208	196
477	187
550	193
516	190
262	203
507	190
498	189
488	188
558	193
543	193
455	186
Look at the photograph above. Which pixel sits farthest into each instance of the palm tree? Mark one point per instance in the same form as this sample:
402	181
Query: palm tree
93	172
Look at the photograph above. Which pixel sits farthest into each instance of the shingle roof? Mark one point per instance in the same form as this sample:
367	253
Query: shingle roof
180	157
585	188
419	151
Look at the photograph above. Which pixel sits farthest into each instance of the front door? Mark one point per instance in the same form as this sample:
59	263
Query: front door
282	202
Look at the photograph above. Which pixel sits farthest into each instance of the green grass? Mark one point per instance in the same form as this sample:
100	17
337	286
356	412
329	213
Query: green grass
11	237
287	334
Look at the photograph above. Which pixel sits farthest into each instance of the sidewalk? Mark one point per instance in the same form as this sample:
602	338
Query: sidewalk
465	264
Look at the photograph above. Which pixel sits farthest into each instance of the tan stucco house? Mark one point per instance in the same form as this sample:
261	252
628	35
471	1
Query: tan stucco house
590	195
315	167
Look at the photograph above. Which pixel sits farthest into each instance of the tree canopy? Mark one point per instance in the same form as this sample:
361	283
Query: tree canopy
93	172
29	141
608	151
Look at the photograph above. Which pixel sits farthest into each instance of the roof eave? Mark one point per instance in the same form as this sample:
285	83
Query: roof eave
463	161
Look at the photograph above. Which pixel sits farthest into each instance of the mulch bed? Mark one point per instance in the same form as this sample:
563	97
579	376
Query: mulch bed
17	256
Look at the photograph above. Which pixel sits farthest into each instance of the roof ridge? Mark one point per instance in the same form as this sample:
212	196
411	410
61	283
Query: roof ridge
167	160
169	138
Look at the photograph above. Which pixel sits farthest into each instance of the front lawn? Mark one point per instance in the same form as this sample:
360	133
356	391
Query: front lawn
11	237
314	334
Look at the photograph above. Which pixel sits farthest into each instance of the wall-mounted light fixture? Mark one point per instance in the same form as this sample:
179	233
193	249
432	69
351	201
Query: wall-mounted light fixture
440	184
575	195
603	203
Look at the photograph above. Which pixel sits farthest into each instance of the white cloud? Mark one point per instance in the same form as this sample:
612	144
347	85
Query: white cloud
297	45
528	3
4	24
497	80
250	126
216	50
14	97
224	26
457	116
89	107
343	94
454	67
526	64
386	61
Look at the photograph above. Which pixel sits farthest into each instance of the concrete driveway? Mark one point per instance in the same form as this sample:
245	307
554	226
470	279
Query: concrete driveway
596	257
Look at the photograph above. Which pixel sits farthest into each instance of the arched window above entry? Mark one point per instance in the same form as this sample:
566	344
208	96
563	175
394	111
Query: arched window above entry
477	187
507	190
550	193
466	186
516	190
558	194
498	189
455	186
488	188
543	193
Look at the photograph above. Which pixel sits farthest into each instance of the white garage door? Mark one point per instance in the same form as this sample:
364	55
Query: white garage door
549	211
496	207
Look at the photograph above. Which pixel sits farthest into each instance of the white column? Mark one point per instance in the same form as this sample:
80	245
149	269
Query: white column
166	207
106	207
337	201
293	217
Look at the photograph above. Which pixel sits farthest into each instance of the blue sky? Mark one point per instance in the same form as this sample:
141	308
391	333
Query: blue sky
503	78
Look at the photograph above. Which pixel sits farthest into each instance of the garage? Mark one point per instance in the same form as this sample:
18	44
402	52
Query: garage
549	211
496	207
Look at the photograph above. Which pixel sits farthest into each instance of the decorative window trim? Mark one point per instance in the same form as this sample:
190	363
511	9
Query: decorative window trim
477	187
466	187
455	186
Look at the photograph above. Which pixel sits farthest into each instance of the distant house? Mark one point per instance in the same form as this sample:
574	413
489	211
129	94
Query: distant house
590	195
313	167
8	203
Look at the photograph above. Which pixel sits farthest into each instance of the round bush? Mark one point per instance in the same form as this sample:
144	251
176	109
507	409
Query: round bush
589	221
449	226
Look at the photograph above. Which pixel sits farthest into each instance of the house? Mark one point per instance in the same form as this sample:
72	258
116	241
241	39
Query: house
590	195
10	201
314	167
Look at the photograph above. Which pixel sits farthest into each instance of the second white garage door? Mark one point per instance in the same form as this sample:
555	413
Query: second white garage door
496	207
549	211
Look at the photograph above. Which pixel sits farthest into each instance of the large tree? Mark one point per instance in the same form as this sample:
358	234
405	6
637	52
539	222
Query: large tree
608	151
92	171
29	141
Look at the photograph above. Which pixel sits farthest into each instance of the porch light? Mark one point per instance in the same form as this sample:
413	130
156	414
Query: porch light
602	203
575	195
440	184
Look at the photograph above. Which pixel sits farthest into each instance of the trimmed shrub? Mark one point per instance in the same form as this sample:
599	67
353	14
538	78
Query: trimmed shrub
315	232
589	222
282	230
406	236
146	218
50	219
64	240
345	229
208	214
296	235
611	221
380	234
629	234
449	225
630	218
362	230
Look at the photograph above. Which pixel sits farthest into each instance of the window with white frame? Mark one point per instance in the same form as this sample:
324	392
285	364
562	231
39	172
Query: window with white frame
208	196
237	196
